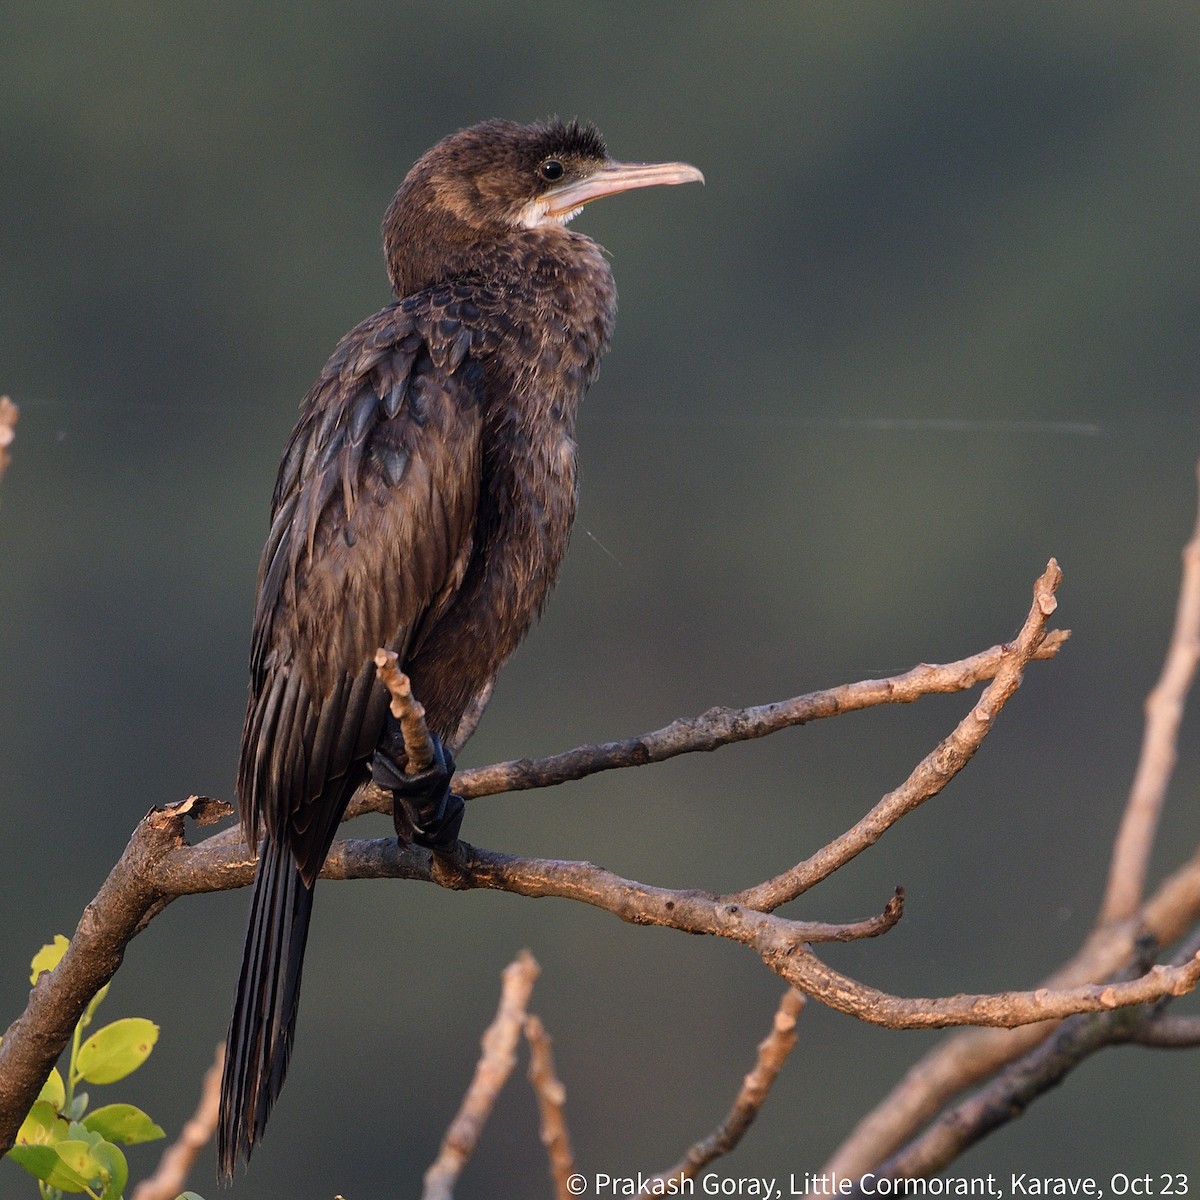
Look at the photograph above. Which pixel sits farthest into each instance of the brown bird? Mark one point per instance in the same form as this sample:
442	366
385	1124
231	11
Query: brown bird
424	504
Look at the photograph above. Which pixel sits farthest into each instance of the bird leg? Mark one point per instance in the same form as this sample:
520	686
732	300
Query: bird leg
424	809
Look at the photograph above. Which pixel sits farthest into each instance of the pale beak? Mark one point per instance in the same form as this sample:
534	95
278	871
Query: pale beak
612	178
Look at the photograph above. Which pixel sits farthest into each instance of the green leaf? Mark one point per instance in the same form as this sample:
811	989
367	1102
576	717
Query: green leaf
83	1161
116	1050
53	1091
123	1123
42	1126
77	1107
40	1161
48	1164
116	1169
46	959
188	1196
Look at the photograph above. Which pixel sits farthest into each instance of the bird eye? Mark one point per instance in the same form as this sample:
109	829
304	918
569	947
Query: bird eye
551	170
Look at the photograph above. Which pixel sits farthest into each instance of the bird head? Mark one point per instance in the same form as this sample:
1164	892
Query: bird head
482	184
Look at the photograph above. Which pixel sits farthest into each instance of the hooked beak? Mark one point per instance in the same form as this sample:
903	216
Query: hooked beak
565	201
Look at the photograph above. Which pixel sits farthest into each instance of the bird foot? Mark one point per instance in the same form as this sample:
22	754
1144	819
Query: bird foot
424	809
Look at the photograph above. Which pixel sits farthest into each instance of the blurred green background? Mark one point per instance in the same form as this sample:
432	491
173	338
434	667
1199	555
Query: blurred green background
932	320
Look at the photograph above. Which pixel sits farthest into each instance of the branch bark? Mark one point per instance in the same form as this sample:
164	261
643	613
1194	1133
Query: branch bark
1164	711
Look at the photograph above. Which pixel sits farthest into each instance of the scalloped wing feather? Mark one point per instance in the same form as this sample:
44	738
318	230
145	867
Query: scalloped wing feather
378	483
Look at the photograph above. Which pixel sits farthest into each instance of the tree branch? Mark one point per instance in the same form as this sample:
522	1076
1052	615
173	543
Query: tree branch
551	1098
719	727
127	898
1164	711
969	1057
934	771
773	1052
491	1073
1009	1094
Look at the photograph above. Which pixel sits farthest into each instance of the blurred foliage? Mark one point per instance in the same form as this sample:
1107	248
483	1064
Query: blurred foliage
931	320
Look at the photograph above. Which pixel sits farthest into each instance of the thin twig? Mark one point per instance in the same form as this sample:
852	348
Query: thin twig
169	1179
551	1097
719	727
1164	711
933	772
491	1073
773	1051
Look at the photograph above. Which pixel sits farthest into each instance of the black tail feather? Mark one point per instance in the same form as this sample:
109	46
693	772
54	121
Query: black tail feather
264	1009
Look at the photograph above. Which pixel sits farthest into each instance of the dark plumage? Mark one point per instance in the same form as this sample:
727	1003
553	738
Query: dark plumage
424	503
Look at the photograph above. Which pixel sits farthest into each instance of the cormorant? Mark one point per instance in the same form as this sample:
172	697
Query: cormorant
424	504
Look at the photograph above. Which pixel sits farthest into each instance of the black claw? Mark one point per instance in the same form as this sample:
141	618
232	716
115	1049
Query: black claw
424	809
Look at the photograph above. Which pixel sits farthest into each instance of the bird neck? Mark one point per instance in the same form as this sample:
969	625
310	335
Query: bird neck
425	248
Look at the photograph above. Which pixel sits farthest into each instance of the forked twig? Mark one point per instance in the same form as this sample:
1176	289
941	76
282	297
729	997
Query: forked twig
933	772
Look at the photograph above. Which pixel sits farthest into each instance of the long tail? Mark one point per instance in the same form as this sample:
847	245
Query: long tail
264	1009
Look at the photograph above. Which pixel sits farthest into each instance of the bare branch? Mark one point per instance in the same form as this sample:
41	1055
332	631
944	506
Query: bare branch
551	1098
491	1073
168	1181
1006	1097
779	942
773	1051
128	896
969	1057
720	727
933	772
1164	711
972	1056
1004	1009
222	862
